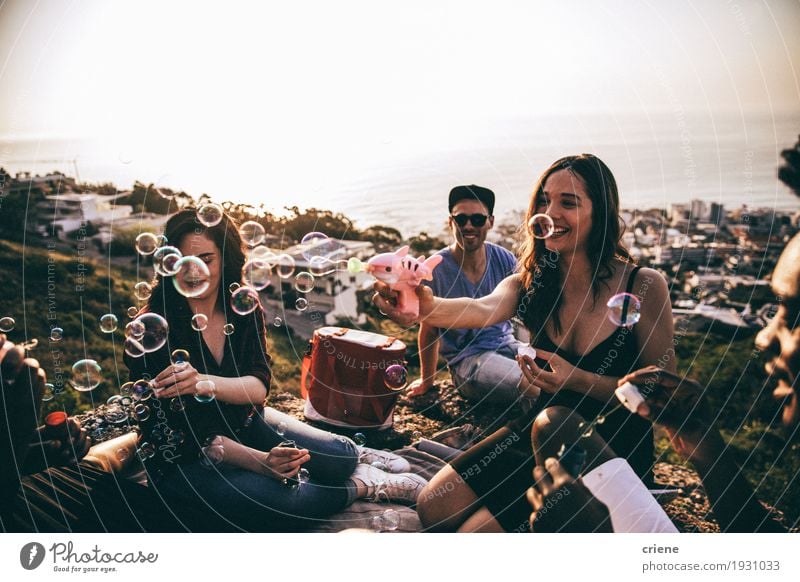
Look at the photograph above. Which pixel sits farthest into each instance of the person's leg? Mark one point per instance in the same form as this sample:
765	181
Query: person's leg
491	377
482	521
556	426
333	457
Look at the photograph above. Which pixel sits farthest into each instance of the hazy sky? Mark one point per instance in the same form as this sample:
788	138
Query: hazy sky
233	69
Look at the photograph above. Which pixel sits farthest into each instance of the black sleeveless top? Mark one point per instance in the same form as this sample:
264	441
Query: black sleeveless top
629	435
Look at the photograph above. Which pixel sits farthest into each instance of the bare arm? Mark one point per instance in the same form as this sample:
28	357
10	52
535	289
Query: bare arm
176	380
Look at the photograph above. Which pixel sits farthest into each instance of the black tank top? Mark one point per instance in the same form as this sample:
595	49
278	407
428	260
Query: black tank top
629	435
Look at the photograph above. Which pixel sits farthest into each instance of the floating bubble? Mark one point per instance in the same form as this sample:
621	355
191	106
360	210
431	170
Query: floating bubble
179	357
126	390
56	334
233	287
176	437
527	350
304	282
285	265
263	253
192	277
280	430
600	419
162	239
210	214
354	265
134	329
321	266
116	414
316	245
252	233
416	435
141	412
176	404
155	332
212	453
244	300
277	322
389	520
164	260
49	392
86	375
146	243
395	377
114	400
146	451
199	322
132	311
133	347
303	476
206	391
542	226
359	439
624	309
587	433
228	329
142	390
301	304
126	401
256	274
7	324
108	323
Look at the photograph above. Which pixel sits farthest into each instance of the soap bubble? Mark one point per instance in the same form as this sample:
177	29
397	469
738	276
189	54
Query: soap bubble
192	277
389	520
280	430
303	476
416	435
7	324
178	357
132	311
126	401
145	451
126	390
162	240
116	414
155	333
285	265
624	309
56	334
210	214
321	266
176	404
142	390
244	300
114	400
527	350
206	391
316	245
164	260
359	439
134	329
142	290
212	453
146	243
228	329
304	282
256	274
542	226
86	375
395	377
49	392
141	412
354	265
277	322
263	253
301	304
252	233
199	321
108	323
176	437
233	287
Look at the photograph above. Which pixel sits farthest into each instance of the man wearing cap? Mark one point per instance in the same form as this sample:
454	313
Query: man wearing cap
481	361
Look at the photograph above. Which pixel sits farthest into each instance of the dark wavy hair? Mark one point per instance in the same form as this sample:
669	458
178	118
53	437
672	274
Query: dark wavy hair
165	299
540	271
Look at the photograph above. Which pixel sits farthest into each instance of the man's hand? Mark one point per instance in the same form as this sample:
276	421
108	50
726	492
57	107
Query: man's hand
385	299
563	504
47	452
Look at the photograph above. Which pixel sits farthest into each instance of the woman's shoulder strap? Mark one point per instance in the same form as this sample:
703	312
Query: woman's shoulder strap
632	278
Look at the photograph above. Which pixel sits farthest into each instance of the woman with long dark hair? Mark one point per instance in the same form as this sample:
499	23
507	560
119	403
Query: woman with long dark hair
206	437
564	283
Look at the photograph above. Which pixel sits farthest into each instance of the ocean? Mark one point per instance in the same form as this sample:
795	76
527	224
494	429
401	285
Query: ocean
401	177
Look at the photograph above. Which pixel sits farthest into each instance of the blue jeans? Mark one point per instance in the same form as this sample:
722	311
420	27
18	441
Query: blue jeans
253	502
489	376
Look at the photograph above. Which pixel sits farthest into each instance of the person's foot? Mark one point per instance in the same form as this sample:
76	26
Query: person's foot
383	486
389	462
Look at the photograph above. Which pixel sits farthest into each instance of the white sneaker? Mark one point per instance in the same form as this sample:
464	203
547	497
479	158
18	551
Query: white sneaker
389	462
383	486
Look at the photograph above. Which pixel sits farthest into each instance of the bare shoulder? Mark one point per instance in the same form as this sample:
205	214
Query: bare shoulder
649	281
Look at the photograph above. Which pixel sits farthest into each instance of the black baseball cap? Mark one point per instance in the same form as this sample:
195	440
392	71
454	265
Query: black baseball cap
472	192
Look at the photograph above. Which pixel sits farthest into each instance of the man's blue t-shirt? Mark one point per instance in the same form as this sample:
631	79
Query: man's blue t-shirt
449	281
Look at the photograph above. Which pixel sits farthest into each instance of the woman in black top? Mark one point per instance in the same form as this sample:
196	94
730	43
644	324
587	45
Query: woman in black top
560	294
206	438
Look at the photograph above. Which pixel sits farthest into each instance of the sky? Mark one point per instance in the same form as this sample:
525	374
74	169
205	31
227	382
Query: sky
294	88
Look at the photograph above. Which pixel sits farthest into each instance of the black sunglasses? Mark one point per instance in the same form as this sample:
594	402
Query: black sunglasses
477	220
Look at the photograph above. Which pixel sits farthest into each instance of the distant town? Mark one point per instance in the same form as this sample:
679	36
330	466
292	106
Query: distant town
717	260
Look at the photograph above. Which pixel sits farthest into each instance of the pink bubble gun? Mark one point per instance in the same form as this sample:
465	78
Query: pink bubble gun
403	274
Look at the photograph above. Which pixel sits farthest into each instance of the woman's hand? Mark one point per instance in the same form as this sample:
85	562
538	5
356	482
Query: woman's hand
177	380
564	504
284	462
563	375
